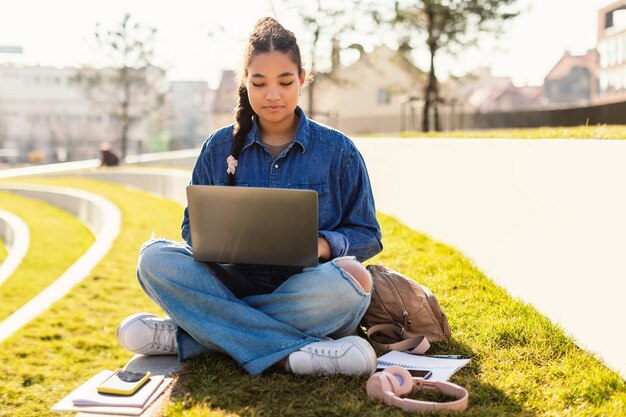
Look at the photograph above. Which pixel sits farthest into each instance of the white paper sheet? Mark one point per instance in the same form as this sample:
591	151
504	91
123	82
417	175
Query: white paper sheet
442	368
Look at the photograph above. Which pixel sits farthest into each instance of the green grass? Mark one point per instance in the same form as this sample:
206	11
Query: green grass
522	364
579	132
57	240
75	338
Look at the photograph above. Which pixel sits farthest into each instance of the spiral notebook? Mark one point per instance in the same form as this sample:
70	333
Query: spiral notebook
442	368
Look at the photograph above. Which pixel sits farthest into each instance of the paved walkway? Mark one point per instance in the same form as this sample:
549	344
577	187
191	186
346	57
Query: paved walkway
546	219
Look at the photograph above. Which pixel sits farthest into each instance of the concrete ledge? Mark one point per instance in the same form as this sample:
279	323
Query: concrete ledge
166	365
166	183
48	168
99	215
543	218
16	236
184	158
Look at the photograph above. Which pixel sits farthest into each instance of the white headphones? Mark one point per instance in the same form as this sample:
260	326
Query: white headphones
386	386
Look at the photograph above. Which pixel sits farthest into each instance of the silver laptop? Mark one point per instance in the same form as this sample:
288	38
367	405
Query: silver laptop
270	226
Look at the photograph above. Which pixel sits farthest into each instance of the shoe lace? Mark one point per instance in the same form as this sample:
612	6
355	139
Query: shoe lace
325	360
164	337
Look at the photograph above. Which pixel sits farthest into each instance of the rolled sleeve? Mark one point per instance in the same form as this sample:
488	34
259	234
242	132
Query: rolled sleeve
338	242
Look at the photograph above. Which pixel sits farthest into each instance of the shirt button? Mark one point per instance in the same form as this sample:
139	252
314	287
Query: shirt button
276	166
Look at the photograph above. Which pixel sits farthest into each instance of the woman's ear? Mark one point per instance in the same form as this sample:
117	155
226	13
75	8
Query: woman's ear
302	77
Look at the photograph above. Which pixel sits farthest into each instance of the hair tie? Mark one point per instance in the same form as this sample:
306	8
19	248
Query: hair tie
232	164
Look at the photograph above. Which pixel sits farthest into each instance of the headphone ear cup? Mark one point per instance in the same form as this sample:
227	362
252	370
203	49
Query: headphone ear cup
401	379
378	384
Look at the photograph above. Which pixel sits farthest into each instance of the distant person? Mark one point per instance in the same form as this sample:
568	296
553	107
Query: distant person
300	319
108	157
35	157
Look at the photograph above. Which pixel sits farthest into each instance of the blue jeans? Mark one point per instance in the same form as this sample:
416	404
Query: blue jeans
256	328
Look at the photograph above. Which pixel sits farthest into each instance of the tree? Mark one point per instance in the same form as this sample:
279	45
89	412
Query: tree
326	22
130	87
445	25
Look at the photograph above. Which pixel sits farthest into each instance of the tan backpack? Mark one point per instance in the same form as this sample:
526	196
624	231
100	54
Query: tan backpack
403	315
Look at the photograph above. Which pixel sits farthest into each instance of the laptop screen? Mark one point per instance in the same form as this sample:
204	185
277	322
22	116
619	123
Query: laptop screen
268	226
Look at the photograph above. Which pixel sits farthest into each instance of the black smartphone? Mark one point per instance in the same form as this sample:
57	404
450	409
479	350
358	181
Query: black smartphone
420	373
417	373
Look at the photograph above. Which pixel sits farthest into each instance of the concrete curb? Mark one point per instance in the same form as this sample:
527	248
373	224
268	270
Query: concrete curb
184	158
542	218
166	183
16	237
101	216
49	168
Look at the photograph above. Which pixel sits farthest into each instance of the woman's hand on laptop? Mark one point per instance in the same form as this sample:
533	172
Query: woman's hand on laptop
323	249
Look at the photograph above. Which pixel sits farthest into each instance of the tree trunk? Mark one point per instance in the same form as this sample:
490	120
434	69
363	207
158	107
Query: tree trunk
311	86
125	112
124	136
426	110
311	110
431	96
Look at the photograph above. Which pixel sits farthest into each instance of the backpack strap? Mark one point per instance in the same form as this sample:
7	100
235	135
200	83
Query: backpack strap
416	345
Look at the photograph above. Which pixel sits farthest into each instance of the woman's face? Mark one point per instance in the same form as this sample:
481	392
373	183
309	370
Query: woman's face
274	86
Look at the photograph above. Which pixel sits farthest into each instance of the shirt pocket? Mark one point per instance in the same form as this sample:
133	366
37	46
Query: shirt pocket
324	208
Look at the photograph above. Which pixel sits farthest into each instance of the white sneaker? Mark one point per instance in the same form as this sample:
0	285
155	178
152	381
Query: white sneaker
148	334
348	355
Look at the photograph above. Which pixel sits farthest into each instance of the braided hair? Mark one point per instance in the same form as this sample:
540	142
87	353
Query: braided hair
268	36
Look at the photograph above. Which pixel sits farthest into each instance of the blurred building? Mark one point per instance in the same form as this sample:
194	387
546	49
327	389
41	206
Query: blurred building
481	91
369	95
45	116
224	100
513	98
191	109
573	80
612	53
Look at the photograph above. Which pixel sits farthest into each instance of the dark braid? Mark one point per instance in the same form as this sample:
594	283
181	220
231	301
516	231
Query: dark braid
268	35
243	124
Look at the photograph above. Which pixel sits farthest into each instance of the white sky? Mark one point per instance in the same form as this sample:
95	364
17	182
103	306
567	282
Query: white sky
60	33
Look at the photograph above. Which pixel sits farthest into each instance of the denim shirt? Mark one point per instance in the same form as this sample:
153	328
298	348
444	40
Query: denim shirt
319	158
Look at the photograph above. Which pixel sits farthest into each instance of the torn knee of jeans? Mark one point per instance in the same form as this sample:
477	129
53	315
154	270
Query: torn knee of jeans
358	273
151	242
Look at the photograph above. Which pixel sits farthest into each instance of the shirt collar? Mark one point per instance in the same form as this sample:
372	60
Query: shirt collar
301	137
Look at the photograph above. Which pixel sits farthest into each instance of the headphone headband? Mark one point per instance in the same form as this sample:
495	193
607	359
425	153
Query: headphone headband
386	386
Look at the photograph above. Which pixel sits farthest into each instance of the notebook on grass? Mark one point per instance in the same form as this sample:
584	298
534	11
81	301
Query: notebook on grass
442	368
87	399
270	226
